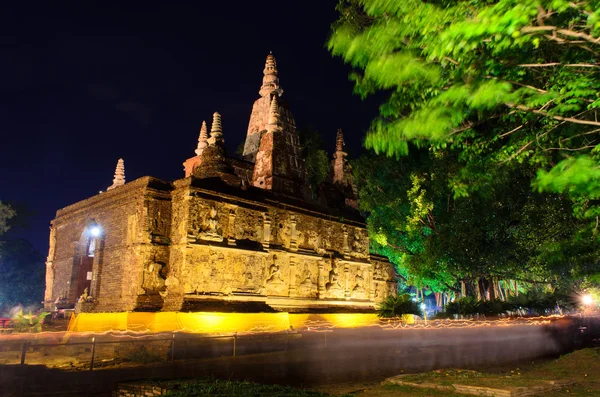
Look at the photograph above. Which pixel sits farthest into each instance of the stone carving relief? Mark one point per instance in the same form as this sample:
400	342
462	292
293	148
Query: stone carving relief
359	291
159	216
275	284
306	286
316	241
378	272
275	273
284	233
360	244
333	287
212	230
154	277
247	226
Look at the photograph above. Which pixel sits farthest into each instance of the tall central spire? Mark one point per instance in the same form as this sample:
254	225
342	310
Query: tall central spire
270	80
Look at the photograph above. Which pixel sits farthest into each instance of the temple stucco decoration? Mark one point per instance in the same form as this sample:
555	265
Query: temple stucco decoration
232	231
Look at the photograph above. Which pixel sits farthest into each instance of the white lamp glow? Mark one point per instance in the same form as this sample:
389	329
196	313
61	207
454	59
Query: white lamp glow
95	231
587	299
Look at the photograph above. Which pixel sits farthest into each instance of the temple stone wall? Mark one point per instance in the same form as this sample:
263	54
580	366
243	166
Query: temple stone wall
123	216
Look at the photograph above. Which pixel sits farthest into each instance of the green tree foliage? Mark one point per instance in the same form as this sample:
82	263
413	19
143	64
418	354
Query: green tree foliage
22	273
6	213
503	232
28	322
500	82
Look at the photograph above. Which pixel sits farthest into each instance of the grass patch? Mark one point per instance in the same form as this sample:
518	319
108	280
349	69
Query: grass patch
211	387
581	367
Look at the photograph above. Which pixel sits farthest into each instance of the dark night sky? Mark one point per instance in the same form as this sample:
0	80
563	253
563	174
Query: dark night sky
84	83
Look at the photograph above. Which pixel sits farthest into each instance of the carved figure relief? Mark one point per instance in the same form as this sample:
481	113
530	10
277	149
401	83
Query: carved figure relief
359	245
159	218
316	242
212	231
275	273
284	232
306	287
333	286
359	291
275	285
154	279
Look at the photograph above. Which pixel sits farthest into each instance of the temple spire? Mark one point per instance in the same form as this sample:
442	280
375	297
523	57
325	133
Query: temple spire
202	139
270	80
119	178
216	130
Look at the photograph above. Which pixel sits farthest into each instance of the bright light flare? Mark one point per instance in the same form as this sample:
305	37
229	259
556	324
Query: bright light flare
95	231
587	300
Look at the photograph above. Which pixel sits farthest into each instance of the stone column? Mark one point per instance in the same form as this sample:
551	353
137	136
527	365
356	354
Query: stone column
294	237
231	232
321	279
49	293
371	283
292	290
346	247
266	231
347	281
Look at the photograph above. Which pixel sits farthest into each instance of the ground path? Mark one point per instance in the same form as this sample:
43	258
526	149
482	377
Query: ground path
351	357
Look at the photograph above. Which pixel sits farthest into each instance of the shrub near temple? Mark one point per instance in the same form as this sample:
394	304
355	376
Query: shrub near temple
397	306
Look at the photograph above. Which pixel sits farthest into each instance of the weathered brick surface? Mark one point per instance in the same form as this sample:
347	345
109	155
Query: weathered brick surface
126	241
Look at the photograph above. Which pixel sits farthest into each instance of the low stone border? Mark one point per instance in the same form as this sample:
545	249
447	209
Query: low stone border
138	390
482	390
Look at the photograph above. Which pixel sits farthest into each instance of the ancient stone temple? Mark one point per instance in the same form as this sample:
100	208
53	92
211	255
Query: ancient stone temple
234	231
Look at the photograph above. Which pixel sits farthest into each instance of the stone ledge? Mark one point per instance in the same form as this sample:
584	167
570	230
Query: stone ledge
138	390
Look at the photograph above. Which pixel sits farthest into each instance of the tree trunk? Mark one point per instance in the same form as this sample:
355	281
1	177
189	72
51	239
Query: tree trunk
463	289
501	291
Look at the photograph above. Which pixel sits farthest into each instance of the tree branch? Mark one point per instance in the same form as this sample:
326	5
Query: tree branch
555	117
544	65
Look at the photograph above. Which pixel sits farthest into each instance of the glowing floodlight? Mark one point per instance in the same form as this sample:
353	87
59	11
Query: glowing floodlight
587	299
95	231
423	306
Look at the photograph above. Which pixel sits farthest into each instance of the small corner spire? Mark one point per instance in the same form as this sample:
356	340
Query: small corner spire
119	178
202	139
274	112
216	130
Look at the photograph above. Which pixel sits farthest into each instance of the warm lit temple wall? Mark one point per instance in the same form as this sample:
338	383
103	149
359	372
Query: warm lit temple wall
121	214
223	245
